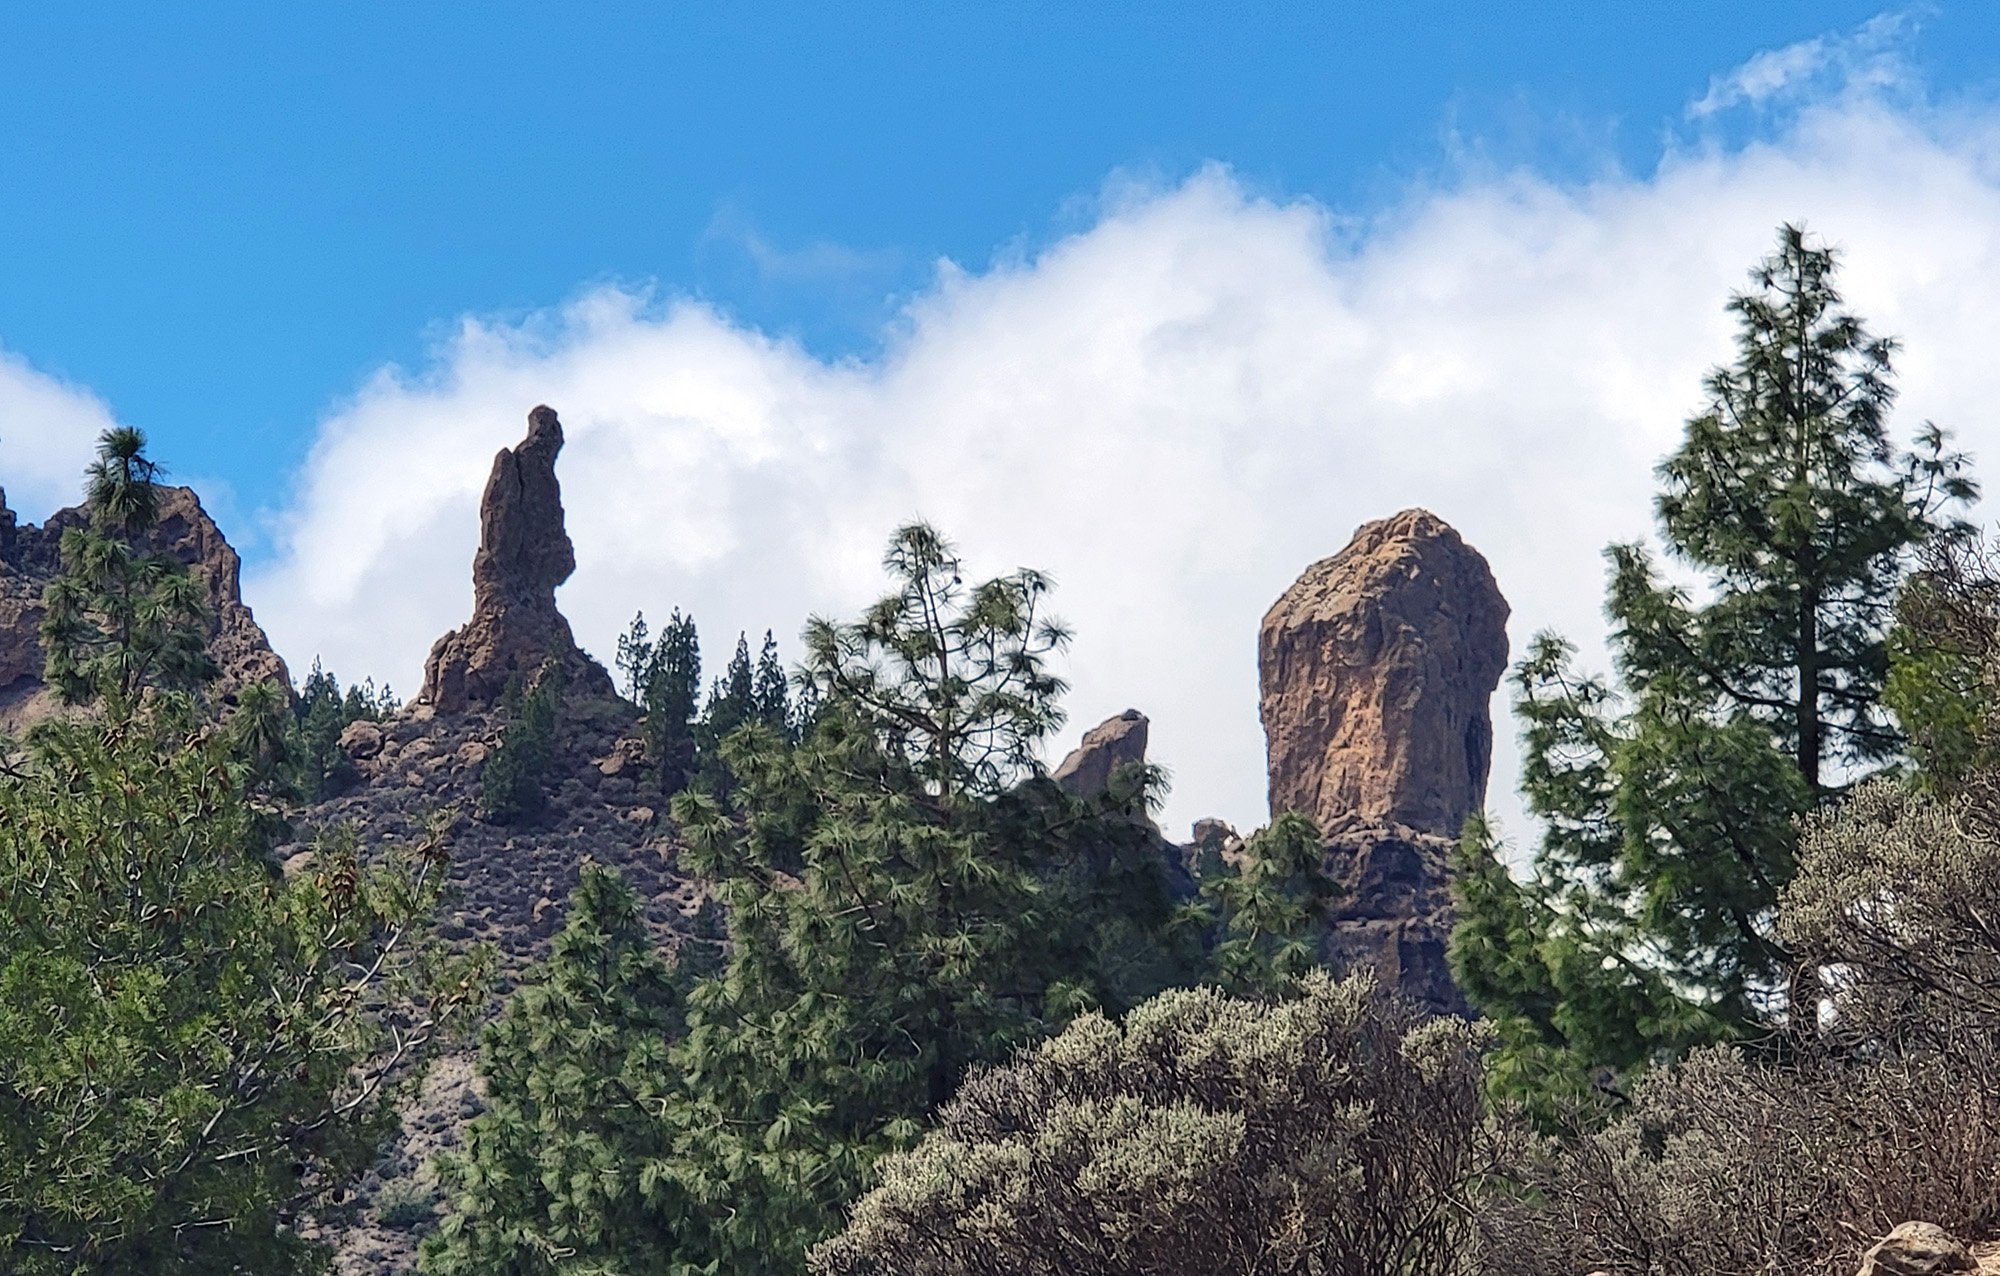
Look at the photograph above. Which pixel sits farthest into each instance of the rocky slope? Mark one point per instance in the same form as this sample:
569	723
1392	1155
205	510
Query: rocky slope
507	884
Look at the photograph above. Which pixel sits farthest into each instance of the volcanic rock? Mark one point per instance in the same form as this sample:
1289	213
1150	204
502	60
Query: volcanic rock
1376	670
30	557
1111	744
1393	913
1917	1249
524	553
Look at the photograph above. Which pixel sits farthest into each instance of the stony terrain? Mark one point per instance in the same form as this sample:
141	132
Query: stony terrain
1377	668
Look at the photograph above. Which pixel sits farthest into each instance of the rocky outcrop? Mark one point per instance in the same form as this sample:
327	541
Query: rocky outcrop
524	553
1376	671
1111	744
1917	1249
30	557
1393	912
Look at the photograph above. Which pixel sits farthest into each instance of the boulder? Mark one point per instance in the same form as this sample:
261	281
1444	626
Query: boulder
1111	744
1214	833
1376	672
361	739
1917	1249
524	553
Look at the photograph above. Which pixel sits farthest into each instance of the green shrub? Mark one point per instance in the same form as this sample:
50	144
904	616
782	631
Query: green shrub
1205	1135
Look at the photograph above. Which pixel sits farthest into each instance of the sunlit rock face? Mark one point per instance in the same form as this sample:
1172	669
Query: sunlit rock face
1377	670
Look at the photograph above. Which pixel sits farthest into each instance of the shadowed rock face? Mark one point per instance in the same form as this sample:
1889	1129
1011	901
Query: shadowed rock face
1107	746
1377	669
30	556
524	553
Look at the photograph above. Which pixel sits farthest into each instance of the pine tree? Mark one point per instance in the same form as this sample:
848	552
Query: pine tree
1266	912
1671	801
905	900
770	696
196	1051
635	658
670	692
511	786
731	703
316	766
119	619
732	700
561	1173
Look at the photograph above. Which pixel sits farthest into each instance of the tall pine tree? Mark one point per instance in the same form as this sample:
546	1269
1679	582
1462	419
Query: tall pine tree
120	619
906	898
1670	800
561	1174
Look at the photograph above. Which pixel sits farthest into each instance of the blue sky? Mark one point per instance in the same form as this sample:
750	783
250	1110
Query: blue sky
222	218
1163	302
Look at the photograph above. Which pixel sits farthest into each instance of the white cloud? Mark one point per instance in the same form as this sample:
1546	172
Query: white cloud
1174	411
48	431
1866	60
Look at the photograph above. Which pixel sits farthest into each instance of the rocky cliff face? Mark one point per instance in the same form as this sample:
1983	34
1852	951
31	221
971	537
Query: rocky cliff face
30	557
1111	744
1377	669
524	553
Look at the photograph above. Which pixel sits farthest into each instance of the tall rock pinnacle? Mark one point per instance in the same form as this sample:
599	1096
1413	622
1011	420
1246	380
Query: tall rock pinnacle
1376	670
524	553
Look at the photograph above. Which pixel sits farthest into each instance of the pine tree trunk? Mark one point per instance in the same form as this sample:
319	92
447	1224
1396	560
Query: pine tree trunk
1808	701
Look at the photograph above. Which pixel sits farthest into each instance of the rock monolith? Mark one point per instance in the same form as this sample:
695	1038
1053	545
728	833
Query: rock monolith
524	553
1377	669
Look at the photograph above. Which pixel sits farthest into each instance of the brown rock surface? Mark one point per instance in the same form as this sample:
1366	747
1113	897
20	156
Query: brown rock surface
1111	744
1393	915
1376	672
524	553
30	557
1377	669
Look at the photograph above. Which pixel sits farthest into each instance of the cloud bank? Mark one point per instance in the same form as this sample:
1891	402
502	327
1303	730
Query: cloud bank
1173	411
48	431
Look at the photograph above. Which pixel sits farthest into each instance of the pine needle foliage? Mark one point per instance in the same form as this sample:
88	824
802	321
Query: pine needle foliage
906	900
1266	910
663	677
563	1173
1670	800
511	786
119	619
193	1050
315	766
